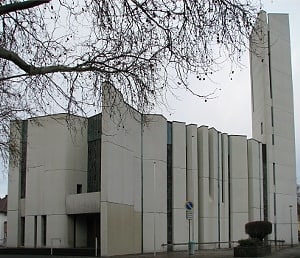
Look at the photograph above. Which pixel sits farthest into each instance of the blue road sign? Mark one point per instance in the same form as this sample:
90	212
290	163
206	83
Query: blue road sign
189	205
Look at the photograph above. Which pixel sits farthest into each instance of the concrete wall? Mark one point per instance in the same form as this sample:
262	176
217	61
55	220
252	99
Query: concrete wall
55	154
83	203
13	208
180	223
255	181
207	165
238	177
283	126
154	183
222	175
260	79
213	188
223	190
121	218
192	176
274	109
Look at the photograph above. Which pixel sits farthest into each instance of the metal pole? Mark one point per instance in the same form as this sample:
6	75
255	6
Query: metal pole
275	229
193	225
154	191
189	245
96	246
291	220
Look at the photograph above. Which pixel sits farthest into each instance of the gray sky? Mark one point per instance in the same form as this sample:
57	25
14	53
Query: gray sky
230	112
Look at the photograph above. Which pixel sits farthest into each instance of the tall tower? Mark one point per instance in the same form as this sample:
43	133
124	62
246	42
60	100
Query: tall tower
273	121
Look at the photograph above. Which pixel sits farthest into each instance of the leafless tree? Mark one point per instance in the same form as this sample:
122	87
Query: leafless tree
54	54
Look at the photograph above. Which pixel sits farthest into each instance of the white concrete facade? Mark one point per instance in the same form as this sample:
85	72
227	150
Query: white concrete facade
122	179
273	120
48	173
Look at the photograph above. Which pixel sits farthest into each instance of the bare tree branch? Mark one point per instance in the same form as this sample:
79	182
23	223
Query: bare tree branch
18	6
54	55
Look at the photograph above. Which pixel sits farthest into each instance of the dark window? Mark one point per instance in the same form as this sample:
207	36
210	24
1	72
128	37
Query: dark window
272	116
273	139
93	229
222	173
35	231
23	160
169	186
265	181
274	196
79	188
22	235
274	176
44	230
5	229
270	64
261	128
229	196
211	167
94	154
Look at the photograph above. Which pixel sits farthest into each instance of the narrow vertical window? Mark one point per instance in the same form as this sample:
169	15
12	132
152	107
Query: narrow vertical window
79	188
44	230
169	186
270	70
35	231
22	229
5	230
265	181
229	196
272	116
274	197
94	153
223	179
273	140
274	176
74	231
261	128
23	160
222	167
212	159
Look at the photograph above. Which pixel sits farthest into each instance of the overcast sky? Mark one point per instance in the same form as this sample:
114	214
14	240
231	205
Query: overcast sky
230	112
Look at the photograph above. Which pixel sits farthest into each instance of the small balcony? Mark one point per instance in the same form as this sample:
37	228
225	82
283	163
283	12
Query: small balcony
83	203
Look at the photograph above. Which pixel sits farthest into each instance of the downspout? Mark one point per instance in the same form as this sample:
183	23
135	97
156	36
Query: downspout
219	226
229	196
142	184
260	181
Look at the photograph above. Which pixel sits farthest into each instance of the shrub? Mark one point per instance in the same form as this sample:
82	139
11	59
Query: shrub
250	242
258	229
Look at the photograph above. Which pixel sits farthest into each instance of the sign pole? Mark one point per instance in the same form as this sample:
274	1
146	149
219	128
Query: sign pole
189	217
189	236
154	194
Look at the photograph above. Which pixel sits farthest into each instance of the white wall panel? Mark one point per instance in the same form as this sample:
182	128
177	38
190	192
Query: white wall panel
192	176
154	183
180	223
120	172
238	186
13	192
284	132
255	180
223	193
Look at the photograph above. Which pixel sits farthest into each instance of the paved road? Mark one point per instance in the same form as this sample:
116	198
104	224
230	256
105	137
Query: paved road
285	252
223	253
